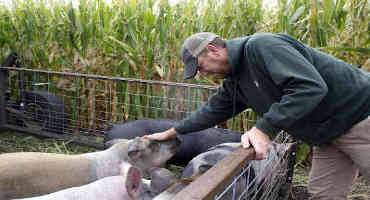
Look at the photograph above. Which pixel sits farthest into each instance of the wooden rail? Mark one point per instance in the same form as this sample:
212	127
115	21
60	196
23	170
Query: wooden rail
218	177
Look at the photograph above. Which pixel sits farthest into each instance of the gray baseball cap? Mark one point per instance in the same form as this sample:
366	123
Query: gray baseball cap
191	49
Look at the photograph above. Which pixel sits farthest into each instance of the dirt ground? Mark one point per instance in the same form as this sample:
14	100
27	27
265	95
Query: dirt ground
360	190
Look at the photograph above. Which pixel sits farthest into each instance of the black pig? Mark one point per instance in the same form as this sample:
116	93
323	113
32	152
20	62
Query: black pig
193	143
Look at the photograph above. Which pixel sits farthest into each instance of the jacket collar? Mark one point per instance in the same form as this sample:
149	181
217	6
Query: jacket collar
236	51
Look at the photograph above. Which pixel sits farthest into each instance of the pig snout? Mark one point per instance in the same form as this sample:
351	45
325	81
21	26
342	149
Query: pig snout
173	145
162	151
146	154
168	149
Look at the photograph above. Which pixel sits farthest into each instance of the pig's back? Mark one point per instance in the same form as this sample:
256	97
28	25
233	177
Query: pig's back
32	173
109	188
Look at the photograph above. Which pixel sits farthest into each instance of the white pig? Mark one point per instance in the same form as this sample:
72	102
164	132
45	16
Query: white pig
33	174
124	187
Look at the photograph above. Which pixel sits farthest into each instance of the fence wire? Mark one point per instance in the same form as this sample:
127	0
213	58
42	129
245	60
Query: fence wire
265	180
74	105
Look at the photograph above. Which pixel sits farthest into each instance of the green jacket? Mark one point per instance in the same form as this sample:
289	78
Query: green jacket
313	96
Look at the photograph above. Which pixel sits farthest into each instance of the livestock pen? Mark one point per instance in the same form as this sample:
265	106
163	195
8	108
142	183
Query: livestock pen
82	108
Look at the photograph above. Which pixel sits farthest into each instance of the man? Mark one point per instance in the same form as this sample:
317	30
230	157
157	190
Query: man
315	97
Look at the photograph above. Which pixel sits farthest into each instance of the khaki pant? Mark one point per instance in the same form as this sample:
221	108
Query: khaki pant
335	166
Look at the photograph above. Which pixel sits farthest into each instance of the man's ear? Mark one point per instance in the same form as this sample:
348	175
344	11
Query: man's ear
213	49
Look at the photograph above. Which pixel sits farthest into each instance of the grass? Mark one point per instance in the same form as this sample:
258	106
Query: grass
19	142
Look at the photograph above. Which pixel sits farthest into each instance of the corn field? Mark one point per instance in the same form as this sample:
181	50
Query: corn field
142	38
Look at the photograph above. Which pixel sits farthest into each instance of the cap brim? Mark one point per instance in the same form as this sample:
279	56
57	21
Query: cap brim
191	69
191	64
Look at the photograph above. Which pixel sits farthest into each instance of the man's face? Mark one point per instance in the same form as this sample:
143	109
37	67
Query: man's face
214	63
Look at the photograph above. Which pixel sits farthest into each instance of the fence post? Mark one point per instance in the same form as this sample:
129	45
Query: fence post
3	89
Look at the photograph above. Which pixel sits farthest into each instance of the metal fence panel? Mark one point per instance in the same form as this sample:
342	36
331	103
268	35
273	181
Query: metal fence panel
83	107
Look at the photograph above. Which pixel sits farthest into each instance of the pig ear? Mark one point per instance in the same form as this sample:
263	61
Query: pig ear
113	142
133	182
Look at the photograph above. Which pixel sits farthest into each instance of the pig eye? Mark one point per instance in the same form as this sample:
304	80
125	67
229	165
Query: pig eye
134	154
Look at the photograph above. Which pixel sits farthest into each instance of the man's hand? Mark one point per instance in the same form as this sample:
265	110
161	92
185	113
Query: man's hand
170	133
259	140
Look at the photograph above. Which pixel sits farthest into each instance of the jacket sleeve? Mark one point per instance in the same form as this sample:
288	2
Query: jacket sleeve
220	107
301	85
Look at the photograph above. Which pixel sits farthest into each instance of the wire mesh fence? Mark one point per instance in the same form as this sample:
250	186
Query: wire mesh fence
265	180
83	107
239	177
